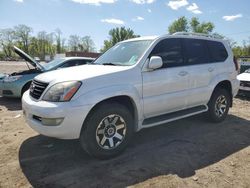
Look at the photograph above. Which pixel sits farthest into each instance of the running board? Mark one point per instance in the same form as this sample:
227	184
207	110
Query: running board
165	118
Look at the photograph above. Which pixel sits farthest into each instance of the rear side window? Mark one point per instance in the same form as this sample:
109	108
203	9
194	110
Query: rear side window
170	51
196	51
217	51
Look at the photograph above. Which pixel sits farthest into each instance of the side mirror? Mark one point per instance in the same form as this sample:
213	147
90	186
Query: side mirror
155	62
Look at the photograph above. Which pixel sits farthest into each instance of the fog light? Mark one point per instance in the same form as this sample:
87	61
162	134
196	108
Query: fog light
51	121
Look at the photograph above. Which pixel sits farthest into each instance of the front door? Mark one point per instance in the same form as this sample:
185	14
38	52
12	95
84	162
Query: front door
164	89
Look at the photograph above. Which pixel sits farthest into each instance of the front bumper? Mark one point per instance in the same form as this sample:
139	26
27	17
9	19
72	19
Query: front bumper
9	89
73	117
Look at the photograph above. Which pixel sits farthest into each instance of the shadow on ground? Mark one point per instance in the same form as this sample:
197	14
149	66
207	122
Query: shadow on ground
180	148
11	104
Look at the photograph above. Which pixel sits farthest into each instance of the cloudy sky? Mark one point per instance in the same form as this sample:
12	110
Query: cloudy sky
145	17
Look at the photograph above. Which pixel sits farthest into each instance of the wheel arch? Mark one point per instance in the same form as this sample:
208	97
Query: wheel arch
124	100
225	84
25	85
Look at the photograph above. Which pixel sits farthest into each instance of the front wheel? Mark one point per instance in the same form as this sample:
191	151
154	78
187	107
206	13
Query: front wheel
107	130
219	105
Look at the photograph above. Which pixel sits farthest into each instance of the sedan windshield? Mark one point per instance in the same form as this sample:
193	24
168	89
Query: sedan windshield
124	54
52	64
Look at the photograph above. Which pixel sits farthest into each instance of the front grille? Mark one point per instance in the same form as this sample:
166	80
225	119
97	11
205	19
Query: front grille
245	83
37	88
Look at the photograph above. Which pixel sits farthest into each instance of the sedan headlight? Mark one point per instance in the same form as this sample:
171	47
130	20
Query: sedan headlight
12	78
62	92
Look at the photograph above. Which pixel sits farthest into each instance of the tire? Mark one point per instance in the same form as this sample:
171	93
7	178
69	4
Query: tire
25	88
218	105
107	130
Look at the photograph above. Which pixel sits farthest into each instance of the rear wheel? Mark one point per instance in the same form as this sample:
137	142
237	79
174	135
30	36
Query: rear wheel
107	130
219	105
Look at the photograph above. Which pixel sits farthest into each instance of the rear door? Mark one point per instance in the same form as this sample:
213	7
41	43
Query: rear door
204	64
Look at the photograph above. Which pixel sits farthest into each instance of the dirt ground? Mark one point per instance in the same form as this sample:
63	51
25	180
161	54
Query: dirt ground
187	153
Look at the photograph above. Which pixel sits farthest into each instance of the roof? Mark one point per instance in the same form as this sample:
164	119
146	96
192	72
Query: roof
180	34
143	38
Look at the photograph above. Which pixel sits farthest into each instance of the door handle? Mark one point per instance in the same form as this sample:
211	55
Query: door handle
183	73
210	69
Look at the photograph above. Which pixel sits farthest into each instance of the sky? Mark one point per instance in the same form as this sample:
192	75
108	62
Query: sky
146	17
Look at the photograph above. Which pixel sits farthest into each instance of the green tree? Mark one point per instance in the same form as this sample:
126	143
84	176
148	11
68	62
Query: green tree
197	27
87	44
7	40
22	34
116	35
58	34
194	25
179	25
74	42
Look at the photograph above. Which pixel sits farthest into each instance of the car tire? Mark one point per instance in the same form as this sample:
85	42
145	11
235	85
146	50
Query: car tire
107	130
218	105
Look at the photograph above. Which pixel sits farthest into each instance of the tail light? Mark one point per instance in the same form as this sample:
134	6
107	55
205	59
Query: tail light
236	64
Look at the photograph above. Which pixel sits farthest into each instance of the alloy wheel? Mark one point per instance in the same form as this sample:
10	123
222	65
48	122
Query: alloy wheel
111	131
220	106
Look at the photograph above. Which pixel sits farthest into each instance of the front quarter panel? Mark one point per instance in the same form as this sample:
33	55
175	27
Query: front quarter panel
92	98
17	86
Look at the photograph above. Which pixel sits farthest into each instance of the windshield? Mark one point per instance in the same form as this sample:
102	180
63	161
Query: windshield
124	54
52	64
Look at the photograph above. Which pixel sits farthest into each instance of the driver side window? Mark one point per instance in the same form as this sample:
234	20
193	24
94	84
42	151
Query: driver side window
170	50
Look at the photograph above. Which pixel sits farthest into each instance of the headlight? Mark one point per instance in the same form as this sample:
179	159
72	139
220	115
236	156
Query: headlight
12	78
62	91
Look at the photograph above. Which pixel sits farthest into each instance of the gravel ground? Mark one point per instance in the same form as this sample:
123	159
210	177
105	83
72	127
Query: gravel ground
187	153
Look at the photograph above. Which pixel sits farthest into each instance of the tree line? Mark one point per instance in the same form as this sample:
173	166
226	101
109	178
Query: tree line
41	44
44	43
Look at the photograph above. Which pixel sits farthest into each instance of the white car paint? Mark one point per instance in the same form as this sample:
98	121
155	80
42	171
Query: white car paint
152	92
245	77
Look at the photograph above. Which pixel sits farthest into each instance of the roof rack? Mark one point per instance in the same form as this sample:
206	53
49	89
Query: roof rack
198	34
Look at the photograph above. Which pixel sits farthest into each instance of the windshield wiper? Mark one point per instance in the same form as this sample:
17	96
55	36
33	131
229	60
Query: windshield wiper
109	64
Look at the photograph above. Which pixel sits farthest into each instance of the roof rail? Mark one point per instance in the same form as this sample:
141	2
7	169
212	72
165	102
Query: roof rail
198	34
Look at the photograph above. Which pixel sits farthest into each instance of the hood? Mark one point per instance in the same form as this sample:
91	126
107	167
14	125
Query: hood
27	58
82	72
244	77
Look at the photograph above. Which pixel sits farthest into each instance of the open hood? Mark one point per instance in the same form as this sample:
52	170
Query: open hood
27	58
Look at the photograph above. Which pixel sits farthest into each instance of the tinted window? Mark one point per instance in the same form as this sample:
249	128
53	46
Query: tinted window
196	51
77	62
217	51
69	63
83	62
170	51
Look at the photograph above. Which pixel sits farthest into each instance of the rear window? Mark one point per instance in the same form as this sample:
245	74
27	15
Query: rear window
217	51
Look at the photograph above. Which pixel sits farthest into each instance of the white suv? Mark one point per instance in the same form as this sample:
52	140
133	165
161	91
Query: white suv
138	83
